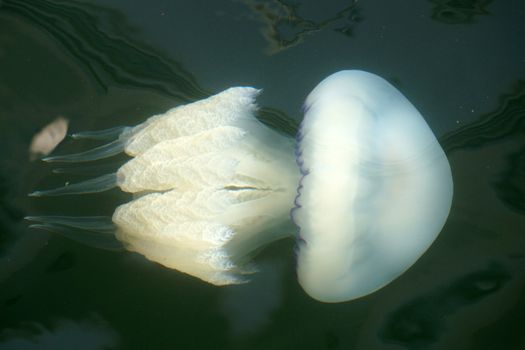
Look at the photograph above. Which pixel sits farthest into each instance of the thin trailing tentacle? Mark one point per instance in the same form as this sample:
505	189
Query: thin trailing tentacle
106	241
107	134
101	224
99	184
101	152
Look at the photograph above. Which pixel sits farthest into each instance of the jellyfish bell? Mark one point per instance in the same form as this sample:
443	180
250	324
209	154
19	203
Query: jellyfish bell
376	187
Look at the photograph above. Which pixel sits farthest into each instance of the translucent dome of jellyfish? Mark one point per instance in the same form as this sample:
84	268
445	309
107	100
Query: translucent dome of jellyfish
366	183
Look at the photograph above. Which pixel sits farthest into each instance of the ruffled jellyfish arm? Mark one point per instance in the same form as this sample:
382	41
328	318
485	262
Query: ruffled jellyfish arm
220	195
226	108
213	185
376	187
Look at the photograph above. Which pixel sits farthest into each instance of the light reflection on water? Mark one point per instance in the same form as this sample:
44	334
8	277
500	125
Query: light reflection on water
88	63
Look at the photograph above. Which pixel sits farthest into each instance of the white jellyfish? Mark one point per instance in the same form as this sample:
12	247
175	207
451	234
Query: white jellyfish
368	186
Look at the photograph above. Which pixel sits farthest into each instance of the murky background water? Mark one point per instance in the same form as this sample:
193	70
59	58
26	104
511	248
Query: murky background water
108	63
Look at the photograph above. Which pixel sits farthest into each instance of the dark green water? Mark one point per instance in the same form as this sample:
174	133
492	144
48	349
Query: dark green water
109	63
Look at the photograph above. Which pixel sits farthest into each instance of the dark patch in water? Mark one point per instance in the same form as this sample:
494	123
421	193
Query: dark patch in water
423	321
64	262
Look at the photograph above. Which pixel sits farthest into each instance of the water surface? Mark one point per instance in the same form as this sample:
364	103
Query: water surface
108	63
